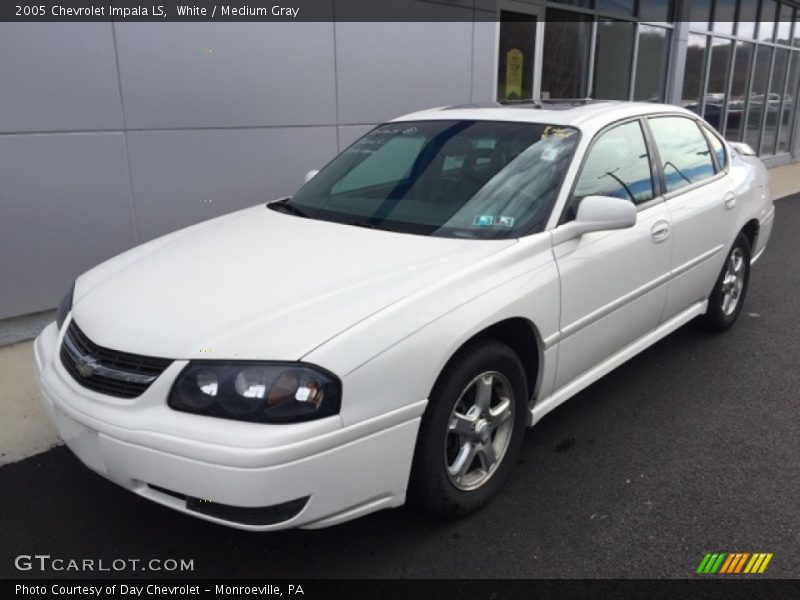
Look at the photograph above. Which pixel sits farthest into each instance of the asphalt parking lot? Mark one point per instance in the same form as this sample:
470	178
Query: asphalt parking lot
692	447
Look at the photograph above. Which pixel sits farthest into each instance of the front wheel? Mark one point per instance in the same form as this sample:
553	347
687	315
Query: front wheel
727	297
472	430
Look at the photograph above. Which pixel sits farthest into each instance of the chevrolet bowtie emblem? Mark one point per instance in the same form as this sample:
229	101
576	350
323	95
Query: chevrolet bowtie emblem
86	366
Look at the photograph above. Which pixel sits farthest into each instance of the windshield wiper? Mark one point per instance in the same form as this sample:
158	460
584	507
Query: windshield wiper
465	234
284	206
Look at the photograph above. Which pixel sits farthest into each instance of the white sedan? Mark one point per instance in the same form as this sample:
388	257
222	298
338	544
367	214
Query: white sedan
390	330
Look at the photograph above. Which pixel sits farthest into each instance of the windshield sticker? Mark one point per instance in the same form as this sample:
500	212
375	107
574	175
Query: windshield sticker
484	220
379	137
504	221
398	130
558	132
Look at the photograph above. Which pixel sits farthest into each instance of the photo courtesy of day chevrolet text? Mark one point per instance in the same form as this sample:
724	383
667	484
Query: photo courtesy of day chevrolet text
113	590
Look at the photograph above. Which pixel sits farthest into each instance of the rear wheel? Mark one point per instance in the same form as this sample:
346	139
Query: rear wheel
472	430
727	297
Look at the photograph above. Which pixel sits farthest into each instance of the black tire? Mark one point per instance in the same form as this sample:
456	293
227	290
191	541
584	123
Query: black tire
717	317
431	487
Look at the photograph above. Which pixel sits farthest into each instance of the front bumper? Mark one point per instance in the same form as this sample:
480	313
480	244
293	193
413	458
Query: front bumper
326	475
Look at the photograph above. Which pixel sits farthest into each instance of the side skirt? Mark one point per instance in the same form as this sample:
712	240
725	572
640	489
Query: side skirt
564	393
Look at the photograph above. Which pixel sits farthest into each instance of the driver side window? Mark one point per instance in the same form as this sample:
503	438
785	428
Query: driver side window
617	164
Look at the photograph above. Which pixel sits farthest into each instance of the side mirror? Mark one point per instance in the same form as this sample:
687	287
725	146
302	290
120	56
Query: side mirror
310	175
597	213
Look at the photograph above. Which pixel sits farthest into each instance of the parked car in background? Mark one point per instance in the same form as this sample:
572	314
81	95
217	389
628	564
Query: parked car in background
391	330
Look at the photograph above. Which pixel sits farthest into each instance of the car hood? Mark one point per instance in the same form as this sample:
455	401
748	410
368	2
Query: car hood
259	284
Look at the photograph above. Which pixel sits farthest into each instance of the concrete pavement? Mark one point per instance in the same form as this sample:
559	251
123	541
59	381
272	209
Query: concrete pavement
24	428
785	180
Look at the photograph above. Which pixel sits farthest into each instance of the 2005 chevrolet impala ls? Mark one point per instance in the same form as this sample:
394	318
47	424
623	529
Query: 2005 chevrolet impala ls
390	330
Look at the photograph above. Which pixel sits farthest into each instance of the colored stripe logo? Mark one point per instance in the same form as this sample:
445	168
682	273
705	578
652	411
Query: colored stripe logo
732	563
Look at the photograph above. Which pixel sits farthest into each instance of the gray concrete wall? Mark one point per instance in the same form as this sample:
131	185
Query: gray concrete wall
111	135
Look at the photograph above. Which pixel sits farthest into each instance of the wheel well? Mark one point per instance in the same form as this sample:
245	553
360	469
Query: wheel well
750	230
521	336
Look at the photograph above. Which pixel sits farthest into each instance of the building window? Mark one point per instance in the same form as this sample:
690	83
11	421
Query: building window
700	14
789	106
758	93
748	15
775	101
796	36
657	11
766	24
565	59
619	8
716	90
515	59
749	96
737	101
789	109
613	59
783	31
694	68
651	63
724	16
579	3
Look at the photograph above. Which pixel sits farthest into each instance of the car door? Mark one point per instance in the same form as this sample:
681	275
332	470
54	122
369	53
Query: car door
613	283
700	198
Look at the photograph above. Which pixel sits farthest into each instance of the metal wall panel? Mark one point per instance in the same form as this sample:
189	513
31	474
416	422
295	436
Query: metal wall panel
484	59
58	77
66	206
387	69
184	177
182	75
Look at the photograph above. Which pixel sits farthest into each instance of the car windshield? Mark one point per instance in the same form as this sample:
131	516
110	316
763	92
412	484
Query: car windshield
455	178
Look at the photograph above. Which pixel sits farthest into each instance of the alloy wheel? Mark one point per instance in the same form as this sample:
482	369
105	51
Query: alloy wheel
479	430
733	281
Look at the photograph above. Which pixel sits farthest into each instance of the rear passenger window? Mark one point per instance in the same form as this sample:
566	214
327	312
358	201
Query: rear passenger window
684	151
617	165
717	148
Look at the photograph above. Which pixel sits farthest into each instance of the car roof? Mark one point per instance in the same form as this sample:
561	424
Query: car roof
582	114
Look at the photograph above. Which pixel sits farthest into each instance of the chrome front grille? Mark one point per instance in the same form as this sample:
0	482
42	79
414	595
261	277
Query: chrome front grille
105	371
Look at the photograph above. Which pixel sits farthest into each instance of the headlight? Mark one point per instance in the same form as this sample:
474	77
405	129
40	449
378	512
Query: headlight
64	307
263	392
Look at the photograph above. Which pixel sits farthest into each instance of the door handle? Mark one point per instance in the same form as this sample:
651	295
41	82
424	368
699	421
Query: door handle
730	200
660	231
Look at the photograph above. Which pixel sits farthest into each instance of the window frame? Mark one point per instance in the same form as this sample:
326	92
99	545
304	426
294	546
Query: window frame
659	179
652	161
709	131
